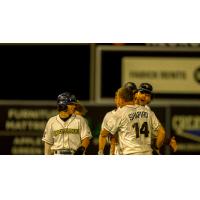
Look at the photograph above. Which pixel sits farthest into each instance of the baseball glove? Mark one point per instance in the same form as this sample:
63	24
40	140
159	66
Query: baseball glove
80	151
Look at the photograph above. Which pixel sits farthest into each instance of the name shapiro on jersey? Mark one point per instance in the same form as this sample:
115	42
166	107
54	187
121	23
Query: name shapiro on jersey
137	115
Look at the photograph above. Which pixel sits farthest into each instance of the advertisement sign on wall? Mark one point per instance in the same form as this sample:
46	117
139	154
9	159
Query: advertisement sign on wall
166	74
21	127
185	125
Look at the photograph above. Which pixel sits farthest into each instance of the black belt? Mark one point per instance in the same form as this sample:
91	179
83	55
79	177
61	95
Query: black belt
65	152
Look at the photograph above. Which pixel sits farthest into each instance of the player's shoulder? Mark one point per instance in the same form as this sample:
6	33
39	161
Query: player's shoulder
119	110
150	110
53	118
122	111
140	108
78	117
147	107
110	113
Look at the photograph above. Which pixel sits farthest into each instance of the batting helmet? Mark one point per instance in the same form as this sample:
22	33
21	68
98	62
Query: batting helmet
65	99
146	88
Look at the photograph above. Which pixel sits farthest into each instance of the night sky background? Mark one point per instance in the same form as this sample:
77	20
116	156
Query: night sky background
42	71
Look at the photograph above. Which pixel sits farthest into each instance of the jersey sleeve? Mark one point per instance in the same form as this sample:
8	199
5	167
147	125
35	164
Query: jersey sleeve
113	122
47	136
105	119
84	129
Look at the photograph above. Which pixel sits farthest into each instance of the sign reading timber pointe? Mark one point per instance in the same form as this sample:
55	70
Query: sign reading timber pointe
166	74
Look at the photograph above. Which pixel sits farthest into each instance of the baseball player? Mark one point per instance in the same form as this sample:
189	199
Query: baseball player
144	97
134	124
66	133
113	139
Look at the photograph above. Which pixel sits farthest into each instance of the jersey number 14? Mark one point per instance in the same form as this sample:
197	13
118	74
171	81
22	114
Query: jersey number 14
143	130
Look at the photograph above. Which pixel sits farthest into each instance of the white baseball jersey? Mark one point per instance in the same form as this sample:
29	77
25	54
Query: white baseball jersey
147	107
66	135
135	126
105	120
107	117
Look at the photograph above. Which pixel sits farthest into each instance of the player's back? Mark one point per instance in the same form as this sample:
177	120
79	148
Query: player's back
136	125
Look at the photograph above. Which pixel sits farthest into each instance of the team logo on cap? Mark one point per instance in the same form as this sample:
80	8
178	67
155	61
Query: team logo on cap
146	87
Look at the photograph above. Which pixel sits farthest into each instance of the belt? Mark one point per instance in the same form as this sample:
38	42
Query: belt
65	151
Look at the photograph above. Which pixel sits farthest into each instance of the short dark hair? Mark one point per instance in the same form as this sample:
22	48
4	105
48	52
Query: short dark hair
126	93
130	85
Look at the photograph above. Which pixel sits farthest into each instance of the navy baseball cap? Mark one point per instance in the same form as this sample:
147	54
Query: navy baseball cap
146	88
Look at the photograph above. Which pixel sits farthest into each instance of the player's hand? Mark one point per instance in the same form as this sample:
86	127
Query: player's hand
80	151
173	144
100	152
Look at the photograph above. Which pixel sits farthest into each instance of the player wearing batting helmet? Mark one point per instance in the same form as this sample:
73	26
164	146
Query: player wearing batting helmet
66	133
113	140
